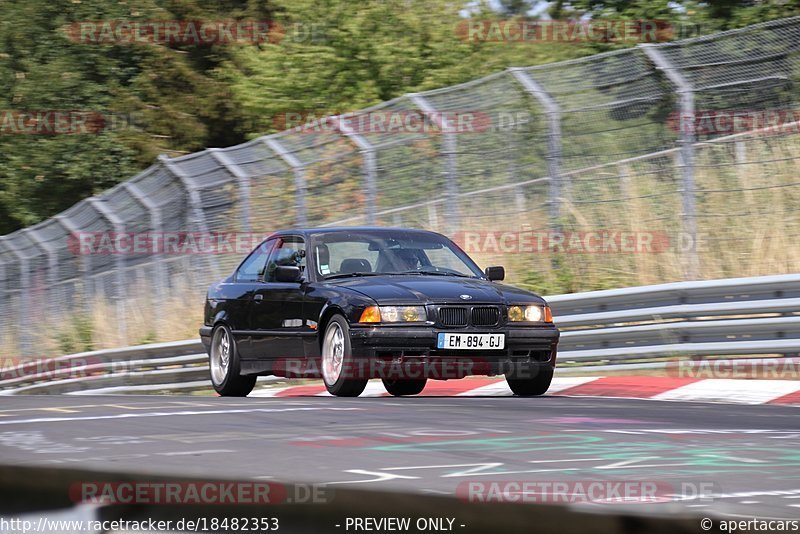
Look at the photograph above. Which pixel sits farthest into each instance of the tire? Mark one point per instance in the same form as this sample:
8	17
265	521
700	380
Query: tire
336	357
399	388
223	363
531	386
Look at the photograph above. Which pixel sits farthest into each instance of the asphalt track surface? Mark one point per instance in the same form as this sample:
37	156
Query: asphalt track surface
744	459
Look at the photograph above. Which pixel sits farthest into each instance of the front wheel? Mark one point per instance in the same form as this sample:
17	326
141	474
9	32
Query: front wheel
337	360
223	362
404	387
531	385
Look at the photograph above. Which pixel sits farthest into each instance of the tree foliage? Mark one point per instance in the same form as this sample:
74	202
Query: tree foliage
323	56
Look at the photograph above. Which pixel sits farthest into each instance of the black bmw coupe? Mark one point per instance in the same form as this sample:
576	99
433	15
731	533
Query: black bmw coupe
350	304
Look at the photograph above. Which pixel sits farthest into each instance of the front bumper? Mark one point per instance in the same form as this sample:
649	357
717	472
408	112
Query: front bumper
526	349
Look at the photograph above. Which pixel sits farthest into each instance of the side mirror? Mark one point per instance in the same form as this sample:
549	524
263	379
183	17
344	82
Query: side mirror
497	272
287	273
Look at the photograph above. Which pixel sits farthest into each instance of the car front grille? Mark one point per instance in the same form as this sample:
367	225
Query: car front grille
485	315
453	316
463	315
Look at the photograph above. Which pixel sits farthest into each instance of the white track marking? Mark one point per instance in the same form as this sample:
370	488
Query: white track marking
168	414
566	382
731	390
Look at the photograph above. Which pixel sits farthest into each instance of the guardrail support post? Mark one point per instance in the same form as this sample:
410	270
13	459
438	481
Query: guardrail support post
299	170
687	138
553	112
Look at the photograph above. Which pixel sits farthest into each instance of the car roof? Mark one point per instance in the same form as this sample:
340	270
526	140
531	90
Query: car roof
339	229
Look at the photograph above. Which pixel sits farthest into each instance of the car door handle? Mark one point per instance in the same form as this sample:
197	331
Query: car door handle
258	298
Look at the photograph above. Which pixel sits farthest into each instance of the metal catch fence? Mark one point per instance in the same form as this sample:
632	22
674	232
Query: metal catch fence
691	147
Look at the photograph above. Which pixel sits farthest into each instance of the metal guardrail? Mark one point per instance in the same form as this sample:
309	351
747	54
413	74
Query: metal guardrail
757	316
157	363
681	319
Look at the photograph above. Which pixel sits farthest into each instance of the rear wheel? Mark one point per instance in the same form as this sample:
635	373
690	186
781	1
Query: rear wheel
337	360
531	385
405	387
223	362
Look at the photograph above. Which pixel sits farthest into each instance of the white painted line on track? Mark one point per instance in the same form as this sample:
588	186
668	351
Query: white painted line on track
190	453
731	390
498	389
566	382
168	414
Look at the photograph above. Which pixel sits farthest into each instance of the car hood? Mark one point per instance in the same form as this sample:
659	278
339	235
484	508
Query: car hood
436	290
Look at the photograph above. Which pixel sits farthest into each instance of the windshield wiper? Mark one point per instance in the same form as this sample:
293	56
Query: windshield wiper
348	275
437	273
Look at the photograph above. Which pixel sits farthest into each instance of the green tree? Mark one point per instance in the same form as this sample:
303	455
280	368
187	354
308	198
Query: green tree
178	104
516	7
710	16
342	56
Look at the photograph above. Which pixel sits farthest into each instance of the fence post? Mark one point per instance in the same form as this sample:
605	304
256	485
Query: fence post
72	228
242	178
52	255
450	153
194	202
24	297
369	165
553	112
299	170
5	302
52	264
120	295
4	281
686	99
159	270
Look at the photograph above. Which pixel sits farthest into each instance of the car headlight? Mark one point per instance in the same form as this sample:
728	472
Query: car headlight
394	314
530	314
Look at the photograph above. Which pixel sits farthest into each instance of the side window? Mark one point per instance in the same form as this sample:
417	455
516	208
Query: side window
290	250
252	269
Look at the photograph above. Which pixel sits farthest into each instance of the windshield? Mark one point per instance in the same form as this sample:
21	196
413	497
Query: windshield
365	253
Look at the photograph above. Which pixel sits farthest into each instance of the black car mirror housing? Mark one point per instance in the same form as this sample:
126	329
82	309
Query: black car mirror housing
287	273
495	273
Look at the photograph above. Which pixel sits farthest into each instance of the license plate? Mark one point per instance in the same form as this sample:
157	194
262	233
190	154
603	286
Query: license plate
459	341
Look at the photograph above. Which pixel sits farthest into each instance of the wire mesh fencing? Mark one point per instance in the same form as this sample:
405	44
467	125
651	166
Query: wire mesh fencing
657	163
